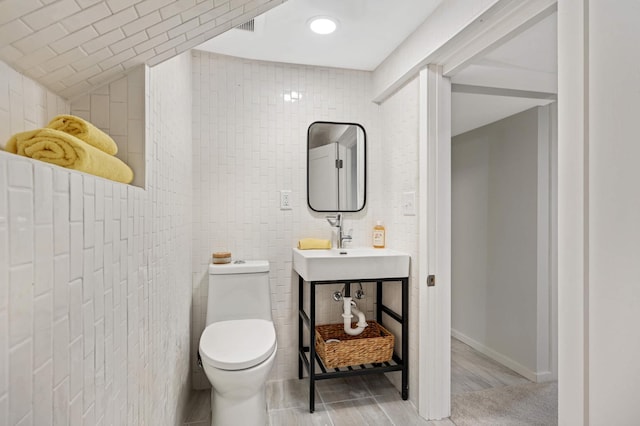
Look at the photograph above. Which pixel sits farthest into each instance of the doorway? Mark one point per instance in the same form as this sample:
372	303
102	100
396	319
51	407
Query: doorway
503	232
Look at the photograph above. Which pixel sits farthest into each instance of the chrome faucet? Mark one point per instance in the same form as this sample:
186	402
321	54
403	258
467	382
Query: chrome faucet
336	222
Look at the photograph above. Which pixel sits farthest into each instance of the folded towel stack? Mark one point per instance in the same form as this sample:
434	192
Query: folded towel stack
91	151
313	244
84	131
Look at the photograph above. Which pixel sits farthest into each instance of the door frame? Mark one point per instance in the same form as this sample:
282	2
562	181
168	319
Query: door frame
434	331
434	246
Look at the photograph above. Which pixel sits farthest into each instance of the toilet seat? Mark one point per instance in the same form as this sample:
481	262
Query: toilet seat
237	344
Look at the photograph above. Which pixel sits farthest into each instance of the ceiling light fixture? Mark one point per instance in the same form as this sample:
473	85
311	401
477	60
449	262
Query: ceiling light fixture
323	25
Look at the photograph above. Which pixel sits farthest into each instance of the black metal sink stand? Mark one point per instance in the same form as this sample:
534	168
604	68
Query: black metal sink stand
307	356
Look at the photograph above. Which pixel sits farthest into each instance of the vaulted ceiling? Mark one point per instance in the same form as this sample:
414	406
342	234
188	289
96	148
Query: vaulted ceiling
75	46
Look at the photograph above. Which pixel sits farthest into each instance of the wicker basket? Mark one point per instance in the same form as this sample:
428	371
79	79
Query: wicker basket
373	345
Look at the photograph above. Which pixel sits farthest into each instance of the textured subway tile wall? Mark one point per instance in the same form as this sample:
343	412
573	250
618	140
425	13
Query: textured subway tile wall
249	143
76	46
397	173
119	110
24	104
95	288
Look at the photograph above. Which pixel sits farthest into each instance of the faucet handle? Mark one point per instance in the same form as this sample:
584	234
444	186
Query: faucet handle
346	237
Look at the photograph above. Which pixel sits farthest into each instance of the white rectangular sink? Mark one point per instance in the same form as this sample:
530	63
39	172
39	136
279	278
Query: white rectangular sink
350	263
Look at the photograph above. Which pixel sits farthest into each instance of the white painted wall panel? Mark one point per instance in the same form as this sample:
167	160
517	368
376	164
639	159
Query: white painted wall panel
614	212
469	235
494	237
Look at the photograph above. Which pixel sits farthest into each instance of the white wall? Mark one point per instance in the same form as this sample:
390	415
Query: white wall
599	209
470	234
249	144
94	275
396	172
118	109
614	213
495	241
24	104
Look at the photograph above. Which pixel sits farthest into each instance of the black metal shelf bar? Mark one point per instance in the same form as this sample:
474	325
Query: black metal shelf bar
393	314
385	367
301	315
304	317
405	338
320	364
303	359
312	346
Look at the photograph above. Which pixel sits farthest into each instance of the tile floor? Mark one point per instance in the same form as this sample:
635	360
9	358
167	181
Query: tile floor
354	401
484	392
373	400
472	371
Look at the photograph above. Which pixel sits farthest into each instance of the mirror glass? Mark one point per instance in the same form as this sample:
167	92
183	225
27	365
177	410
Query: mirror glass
336	167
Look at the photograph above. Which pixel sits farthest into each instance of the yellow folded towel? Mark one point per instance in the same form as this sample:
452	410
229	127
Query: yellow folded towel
313	243
84	131
65	150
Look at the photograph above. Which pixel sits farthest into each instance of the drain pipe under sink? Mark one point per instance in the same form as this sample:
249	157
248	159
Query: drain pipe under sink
349	306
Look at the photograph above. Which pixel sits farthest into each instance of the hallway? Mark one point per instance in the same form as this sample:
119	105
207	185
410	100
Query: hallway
484	392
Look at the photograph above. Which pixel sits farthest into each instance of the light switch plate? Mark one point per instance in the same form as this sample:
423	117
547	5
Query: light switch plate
285	199
409	203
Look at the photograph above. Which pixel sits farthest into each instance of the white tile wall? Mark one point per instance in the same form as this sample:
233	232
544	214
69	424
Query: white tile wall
249	144
95	287
24	104
54	41
118	109
397	172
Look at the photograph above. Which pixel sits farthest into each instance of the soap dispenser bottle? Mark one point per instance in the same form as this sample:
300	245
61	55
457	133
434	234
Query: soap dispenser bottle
378	235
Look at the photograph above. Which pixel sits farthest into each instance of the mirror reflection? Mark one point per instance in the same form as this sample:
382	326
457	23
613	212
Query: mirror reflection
336	158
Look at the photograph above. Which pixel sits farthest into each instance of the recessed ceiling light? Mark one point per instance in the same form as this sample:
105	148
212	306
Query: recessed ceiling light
323	25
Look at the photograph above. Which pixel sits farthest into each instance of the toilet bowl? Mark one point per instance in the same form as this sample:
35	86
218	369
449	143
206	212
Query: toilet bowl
237	357
238	346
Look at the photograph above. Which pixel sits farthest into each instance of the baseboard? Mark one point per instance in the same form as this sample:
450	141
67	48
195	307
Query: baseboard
545	376
504	360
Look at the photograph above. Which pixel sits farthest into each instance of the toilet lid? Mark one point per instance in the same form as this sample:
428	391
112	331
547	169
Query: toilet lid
237	344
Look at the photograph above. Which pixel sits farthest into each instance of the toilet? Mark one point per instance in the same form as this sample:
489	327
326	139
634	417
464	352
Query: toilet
238	345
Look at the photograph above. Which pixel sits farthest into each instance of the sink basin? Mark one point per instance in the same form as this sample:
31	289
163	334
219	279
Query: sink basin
350	263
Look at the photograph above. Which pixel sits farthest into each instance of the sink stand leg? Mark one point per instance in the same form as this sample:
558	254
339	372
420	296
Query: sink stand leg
312	346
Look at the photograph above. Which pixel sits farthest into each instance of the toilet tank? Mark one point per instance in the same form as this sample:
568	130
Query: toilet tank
239	291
